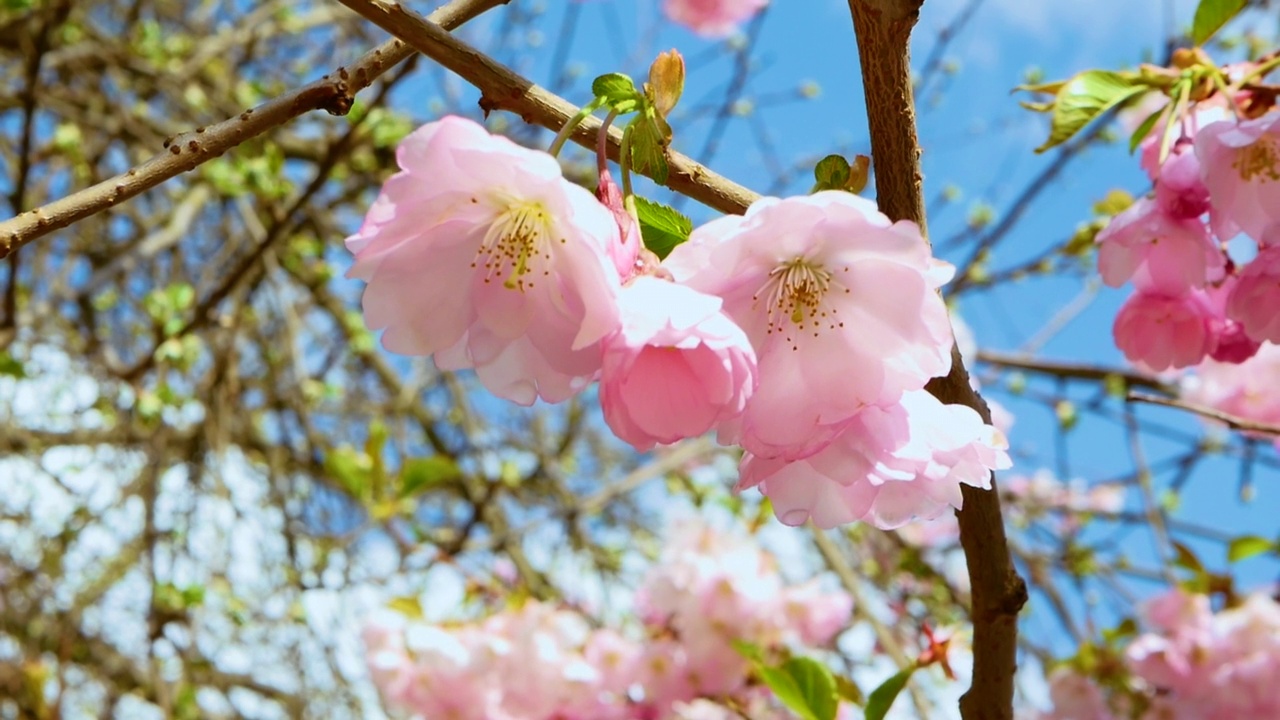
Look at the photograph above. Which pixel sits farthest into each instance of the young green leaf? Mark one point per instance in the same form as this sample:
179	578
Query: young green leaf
618	92
419	474
805	686
831	173
650	136
1211	15
1085	97
1144	129
881	699
1247	546
661	227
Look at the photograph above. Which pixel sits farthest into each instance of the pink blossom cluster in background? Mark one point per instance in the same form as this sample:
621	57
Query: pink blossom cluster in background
1195	665
537	662
712	18
1026	499
1219	180
804	331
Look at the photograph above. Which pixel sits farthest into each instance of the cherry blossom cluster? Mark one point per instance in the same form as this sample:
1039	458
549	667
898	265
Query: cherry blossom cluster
538	662
804	331
1216	177
1195	665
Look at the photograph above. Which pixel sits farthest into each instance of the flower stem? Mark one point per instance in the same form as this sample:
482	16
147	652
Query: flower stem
572	124
602	142
624	161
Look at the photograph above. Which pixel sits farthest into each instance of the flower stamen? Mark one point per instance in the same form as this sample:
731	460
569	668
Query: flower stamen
795	291
514	243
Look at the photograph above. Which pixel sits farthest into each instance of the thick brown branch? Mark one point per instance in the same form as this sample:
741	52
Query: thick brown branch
503	89
333	93
883	29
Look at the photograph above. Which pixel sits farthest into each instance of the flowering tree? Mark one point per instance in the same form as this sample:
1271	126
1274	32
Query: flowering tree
254	471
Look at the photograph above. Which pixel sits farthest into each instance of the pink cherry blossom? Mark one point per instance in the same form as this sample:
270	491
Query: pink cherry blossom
480	253
1076	697
712	18
677	368
890	465
1240	162
1180	191
625	253
1214	666
1173	254
1254	302
1164	331
839	303
1230	342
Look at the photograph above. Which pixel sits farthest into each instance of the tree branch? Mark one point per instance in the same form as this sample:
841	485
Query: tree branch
883	30
334	93
1072	371
503	89
1232	421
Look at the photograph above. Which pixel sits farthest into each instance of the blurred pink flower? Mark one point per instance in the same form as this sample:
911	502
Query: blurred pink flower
1240	162
889	466
480	253
1180	192
1168	253
712	18
1254	302
839	303
677	367
1164	331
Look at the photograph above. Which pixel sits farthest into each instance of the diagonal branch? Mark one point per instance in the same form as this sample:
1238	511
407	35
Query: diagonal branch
333	93
503	89
883	30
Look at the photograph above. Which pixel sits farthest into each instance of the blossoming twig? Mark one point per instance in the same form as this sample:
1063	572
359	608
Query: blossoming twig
334	93
503	89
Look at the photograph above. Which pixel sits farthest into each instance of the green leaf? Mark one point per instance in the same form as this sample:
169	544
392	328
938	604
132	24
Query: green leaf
1113	203
1186	559
1086	96
617	91
849	690
1211	15
662	227
419	474
882	698
817	686
805	686
1247	546
650	136
351	469
11	366
831	173
1144	129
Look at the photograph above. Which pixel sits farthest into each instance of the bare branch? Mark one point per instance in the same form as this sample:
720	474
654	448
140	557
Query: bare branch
333	93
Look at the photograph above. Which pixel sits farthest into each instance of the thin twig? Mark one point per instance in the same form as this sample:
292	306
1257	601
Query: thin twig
333	93
1234	422
1072	371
